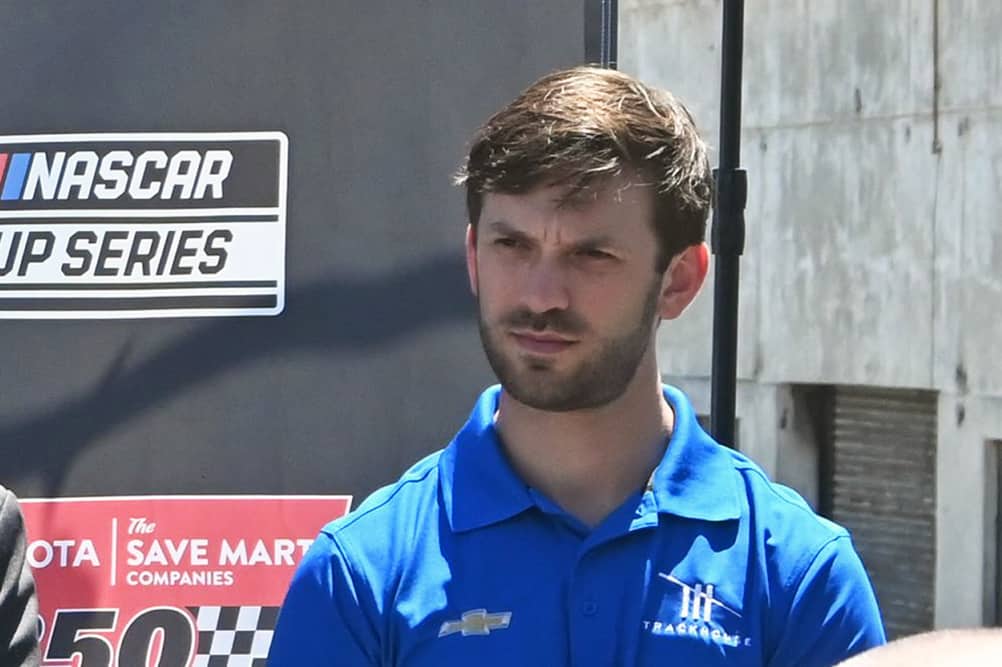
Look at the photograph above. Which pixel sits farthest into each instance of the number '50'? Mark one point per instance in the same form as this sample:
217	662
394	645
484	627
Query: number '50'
74	631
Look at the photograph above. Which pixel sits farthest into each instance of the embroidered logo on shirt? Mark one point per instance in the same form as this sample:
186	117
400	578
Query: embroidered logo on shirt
476	622
696	599
695	616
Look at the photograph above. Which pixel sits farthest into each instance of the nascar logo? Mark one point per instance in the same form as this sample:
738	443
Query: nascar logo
186	174
142	225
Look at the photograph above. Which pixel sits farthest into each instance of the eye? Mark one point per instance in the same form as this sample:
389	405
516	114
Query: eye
594	253
507	242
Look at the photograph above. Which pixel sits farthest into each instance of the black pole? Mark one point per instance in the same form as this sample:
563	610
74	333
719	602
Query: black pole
728	235
601	28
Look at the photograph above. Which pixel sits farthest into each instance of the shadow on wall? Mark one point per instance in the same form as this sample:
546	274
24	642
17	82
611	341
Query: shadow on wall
334	314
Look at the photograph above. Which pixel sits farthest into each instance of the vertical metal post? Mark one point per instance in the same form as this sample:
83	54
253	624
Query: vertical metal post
728	234
997	451
601	28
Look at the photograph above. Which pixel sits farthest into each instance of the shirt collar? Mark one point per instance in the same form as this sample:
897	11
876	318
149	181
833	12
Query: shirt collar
695	479
479	486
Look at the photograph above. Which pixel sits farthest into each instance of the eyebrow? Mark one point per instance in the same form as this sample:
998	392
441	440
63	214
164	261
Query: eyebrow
504	228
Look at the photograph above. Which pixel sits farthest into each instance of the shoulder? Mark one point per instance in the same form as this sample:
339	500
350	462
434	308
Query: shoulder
388	524
780	513
795	546
415	492
821	600
703	479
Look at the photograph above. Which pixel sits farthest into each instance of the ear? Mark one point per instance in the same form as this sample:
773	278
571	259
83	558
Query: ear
682	280
471	257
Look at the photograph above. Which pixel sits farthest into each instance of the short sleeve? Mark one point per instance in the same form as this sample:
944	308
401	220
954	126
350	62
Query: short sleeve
327	618
833	614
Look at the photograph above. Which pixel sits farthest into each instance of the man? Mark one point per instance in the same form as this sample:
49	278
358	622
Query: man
581	516
18	605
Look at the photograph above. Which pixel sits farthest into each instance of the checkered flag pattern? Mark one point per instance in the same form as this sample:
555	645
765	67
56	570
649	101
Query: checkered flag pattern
233	636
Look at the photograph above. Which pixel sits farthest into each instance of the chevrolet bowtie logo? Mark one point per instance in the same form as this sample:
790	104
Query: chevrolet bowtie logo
476	622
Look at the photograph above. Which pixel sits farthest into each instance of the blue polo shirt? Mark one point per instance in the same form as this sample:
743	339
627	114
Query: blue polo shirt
460	563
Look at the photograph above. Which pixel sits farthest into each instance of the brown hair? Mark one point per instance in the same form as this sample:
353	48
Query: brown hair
584	125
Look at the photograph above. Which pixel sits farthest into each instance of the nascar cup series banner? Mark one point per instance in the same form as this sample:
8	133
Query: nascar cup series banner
142	225
168	581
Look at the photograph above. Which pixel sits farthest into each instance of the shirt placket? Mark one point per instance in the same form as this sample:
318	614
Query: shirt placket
596	593
590	610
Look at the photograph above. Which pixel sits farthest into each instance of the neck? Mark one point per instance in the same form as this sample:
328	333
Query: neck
590	461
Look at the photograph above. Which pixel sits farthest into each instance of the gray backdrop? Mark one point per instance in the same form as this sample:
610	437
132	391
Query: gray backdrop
375	361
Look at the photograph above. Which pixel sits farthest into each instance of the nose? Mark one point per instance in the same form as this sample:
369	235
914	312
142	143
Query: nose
545	287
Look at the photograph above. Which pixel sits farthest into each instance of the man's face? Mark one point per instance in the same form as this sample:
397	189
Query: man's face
568	295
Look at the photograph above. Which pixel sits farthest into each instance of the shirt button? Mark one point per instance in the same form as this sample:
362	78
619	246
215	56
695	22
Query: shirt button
589	608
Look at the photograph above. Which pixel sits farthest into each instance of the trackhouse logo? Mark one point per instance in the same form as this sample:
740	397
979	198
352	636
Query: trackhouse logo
698	616
142	225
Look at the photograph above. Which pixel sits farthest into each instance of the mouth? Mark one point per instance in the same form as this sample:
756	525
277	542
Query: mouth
541	343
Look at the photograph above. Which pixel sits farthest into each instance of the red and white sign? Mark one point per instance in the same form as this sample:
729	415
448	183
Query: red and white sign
168	581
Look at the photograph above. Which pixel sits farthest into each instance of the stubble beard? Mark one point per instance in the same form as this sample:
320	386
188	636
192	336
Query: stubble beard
596	381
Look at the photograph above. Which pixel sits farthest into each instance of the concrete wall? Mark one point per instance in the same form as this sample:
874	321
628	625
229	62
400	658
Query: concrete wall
967	497
874	252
